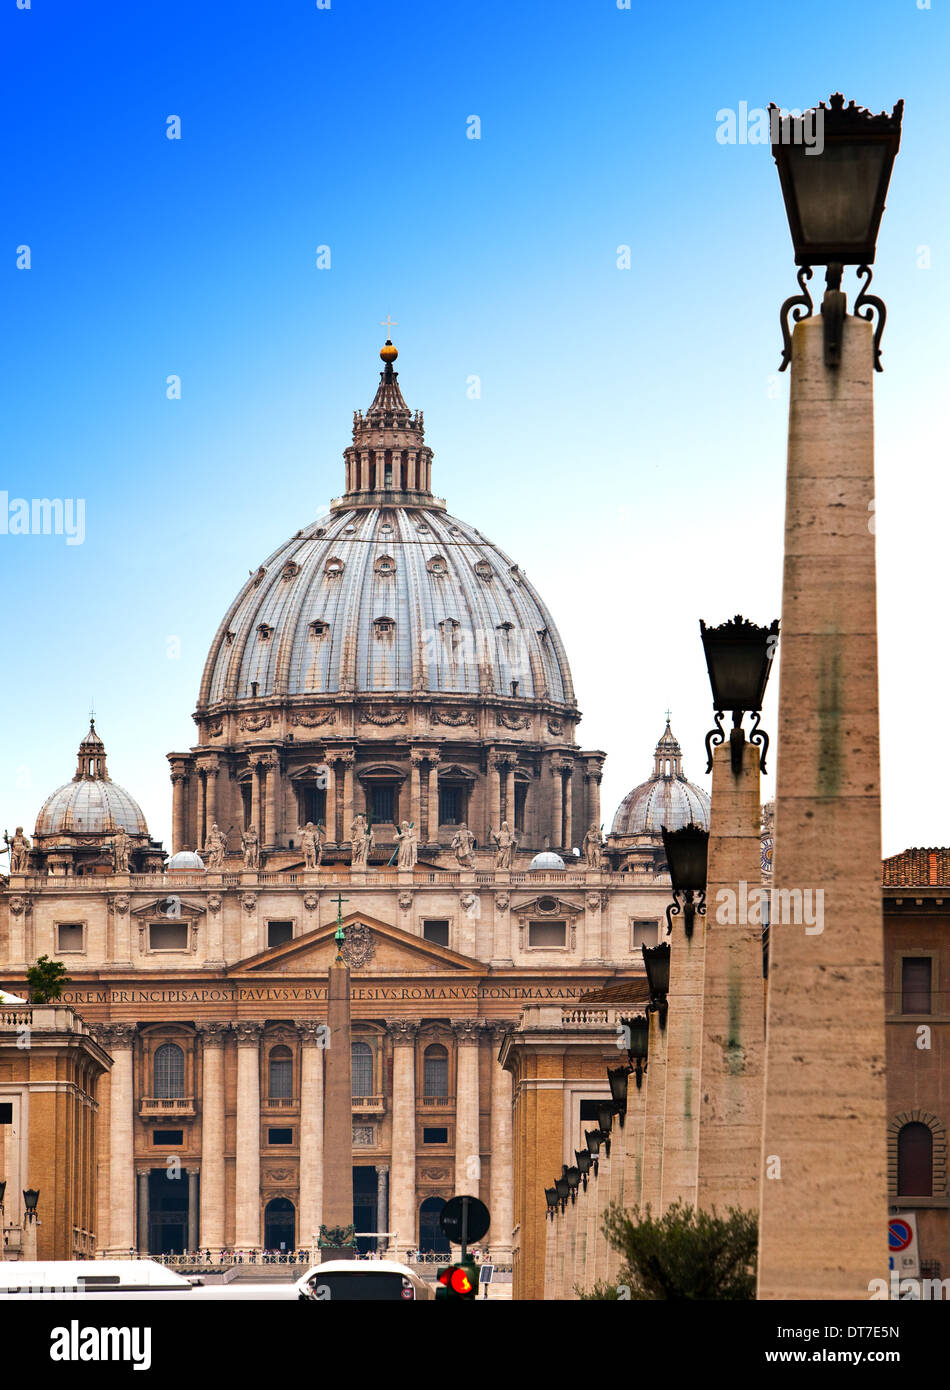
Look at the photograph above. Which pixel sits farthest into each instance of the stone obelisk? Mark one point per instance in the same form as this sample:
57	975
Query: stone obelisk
338	1113
823	1226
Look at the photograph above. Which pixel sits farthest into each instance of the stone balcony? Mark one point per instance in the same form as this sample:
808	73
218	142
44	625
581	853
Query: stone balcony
333	875
162	1108
369	1105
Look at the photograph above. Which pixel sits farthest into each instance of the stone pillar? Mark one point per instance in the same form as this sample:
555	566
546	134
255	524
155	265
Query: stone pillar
558	766
211	1228
247	1202
192	1208
364	471
403	1187
501	1196
271	836
382	1200
654	1115
329	812
684	1039
508	776
313	1038
594	775
616	1195
468	1166
347	757
601	1250
494	791
256	793
633	1147
119	1041
415	789
201	835
411	481
433	829
825	1110
338	1106
550	1239
179	784
141	1243
568	807
595	1205
733	1052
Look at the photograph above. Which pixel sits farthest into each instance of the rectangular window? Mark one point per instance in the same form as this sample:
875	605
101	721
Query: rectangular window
645	934
436	932
450	804
6	1112
279	933
547	935
435	1136
915	984
521	797
167	1138
382	800
69	937
168	936
280	1136
313	803
246	803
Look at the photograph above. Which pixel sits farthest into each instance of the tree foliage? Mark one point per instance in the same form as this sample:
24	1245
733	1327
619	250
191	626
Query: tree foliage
683	1254
46	979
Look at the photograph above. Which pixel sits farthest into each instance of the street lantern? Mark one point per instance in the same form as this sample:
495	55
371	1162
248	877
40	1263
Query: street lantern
606	1110
30	1198
562	1190
637	1033
3	1190
834	185
584	1162
593	1139
617	1080
656	960
550	1196
573	1176
686	851
739	660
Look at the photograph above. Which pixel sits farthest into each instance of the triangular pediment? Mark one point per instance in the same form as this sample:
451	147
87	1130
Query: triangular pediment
374	948
170	907
546	905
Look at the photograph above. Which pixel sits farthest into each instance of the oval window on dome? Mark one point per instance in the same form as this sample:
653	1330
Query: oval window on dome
264	631
259	576
437	565
483	569
384	627
385	564
333	567
318	628
290	570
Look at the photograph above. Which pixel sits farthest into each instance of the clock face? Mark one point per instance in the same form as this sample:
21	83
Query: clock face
766	854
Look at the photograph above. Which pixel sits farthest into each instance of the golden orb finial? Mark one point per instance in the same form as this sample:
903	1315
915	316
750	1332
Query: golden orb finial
388	353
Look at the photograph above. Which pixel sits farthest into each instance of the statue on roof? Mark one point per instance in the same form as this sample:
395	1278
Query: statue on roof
251	845
408	842
19	848
506	842
361	841
463	842
594	846
311	842
121	845
217	847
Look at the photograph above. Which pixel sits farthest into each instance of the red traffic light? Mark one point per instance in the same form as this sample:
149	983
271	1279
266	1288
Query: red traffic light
459	1282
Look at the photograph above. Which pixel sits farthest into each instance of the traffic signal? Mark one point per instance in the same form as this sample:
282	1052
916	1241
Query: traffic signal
458	1281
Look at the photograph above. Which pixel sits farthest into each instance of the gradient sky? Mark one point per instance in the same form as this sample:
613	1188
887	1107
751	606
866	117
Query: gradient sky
628	447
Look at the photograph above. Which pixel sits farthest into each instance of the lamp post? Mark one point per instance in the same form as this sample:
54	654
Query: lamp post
30	1222
617	1080
593	1140
637	1033
656	960
738	658
686	859
584	1162
834	199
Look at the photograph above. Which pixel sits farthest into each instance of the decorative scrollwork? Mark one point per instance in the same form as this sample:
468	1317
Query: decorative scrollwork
714	738
805	273
760	738
868	303
692	904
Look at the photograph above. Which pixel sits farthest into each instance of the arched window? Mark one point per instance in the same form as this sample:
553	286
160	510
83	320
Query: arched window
280	1079
431	1238
169	1072
361	1056
915	1161
435	1071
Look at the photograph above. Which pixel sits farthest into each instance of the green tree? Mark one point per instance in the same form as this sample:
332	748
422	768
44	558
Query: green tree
46	979
683	1254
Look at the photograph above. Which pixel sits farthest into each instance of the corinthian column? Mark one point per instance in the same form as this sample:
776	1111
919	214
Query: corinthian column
415	790
347	757
255	793
402	1197
212	1133
247	1195
179	783
468	1166
118	1039
313	1040
271	827
433	830
494	792
203	823
501	1200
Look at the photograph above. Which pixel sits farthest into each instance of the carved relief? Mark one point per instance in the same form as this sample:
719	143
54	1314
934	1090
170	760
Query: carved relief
312	721
510	721
253	723
290	570
18	905
593	902
435	1174
359	945
249	902
215	728
501	901
214	902
277	1174
382	715
555	727
405	901
402	1030
311	901
451	721
120	904
213	1034
248	1031
364	1136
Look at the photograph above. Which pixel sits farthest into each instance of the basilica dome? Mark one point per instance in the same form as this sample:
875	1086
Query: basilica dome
91	804
387	593
667	799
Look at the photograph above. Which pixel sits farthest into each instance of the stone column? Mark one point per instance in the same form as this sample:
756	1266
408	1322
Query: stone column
192	1208
364	471
569	806
142	1222
550	1239
433	830
247	1200
595	1205
210	769
201	835
313	1038
415	790
616	1196
119	1041
684	1039
468	1165
825	1108
271	836
501	1196
733	1051
338	1106
382	1199
494	792
558	766
179	784
595	773
633	1146
601	1249
211	1228
411	481
347	757
255	792
329	812
509	782
403	1187
654	1115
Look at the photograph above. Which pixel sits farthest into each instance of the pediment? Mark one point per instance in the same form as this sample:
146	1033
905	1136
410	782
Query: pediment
546	905
375	948
171	906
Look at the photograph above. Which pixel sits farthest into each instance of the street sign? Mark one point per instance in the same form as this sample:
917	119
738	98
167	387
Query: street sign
903	1251
485	1273
477	1220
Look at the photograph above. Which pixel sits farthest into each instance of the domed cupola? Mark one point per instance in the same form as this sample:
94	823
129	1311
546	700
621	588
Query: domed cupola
667	800
91	824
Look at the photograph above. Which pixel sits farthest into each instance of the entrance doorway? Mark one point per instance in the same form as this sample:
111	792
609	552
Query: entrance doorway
430	1232
280	1224
167	1212
364	1206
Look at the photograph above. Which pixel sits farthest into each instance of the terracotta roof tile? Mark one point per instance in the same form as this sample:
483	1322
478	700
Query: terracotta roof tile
918	868
633	991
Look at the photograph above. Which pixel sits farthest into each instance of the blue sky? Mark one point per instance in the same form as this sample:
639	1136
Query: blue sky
628	445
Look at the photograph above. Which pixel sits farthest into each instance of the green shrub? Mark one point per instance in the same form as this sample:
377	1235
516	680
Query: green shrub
683	1254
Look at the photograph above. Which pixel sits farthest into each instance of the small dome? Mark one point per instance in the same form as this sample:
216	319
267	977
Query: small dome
184	860
91	804
547	859
667	799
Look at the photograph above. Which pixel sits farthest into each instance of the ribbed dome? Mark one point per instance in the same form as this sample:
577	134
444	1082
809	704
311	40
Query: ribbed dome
385	599
667	799
90	808
185	859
